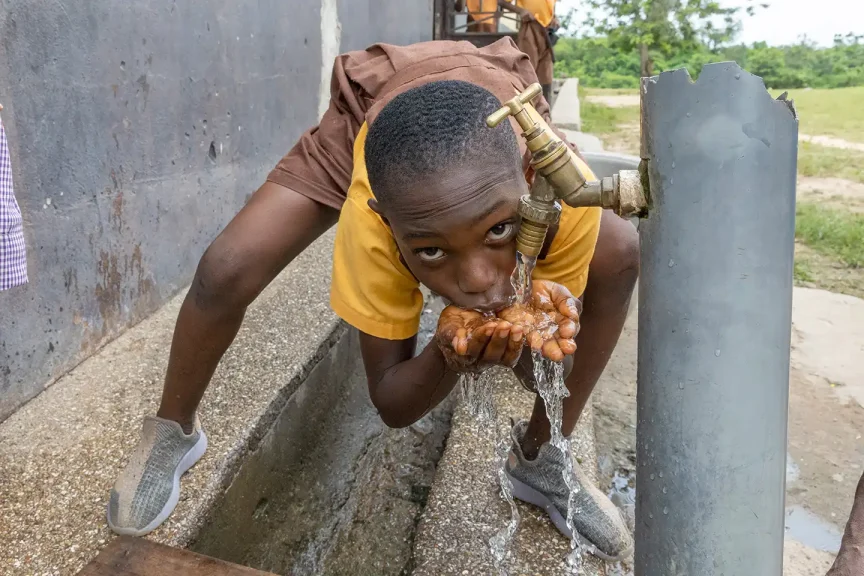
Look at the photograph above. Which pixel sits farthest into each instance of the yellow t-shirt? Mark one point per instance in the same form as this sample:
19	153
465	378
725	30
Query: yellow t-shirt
374	292
543	10
475	6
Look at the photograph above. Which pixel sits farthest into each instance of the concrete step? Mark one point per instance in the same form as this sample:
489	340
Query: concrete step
465	508
301	476
566	108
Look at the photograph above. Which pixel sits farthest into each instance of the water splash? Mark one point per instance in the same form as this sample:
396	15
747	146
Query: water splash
500	543
549	378
477	396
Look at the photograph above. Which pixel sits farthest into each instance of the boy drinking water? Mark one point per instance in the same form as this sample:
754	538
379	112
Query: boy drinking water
424	193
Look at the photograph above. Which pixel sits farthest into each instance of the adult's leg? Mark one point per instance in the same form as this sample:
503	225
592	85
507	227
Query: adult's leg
270	231
612	277
850	560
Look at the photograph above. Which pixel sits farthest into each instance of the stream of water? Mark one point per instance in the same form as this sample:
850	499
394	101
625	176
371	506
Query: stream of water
549	377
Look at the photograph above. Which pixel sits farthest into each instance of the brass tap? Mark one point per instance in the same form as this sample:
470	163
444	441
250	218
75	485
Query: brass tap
558	177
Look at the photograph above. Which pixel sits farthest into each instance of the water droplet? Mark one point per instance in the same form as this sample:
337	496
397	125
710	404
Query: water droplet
673	165
717	353
688	113
664	490
680	385
665	510
650	515
671	263
661	474
738	76
652	476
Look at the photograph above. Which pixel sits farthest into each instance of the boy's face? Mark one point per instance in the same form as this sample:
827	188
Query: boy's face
457	234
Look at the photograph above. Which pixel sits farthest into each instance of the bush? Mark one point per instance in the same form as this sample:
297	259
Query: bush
797	66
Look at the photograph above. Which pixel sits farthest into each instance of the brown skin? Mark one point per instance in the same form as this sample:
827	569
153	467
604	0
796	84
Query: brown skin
850	559
265	236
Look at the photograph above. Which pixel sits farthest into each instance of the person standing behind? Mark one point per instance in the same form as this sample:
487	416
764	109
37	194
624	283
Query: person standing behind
13	258
536	37
480	17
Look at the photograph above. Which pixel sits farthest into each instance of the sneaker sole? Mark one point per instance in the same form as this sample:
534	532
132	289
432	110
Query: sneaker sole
530	495
189	459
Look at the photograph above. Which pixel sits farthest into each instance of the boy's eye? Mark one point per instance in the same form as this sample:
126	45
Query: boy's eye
500	231
429	254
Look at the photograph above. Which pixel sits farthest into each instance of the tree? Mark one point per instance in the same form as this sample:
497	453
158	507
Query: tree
664	27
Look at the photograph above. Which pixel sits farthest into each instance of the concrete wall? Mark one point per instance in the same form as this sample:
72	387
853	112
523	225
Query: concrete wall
137	130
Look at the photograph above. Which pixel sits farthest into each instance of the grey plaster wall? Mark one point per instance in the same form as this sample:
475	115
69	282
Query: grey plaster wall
137	130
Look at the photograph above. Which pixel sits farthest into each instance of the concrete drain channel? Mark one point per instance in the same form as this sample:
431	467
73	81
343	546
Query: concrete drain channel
330	489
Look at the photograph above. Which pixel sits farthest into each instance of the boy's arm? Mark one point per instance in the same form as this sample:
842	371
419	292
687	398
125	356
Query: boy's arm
404	387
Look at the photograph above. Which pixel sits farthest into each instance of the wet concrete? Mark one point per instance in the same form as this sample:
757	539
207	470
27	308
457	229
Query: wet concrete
465	508
812	531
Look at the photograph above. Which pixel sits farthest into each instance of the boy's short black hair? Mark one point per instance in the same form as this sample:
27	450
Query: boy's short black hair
429	129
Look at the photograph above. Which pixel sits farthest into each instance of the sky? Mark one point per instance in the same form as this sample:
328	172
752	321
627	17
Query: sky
784	21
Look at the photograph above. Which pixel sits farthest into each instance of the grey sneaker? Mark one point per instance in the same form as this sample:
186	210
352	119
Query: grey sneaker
540	482
148	489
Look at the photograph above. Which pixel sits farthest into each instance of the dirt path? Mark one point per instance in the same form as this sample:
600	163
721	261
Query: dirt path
831	142
614	101
833	192
826	423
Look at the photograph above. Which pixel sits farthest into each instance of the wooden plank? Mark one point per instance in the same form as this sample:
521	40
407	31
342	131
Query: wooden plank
128	556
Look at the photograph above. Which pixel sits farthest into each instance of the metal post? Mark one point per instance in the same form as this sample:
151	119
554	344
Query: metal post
715	300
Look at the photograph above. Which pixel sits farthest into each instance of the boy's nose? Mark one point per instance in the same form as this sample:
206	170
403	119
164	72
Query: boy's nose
476	276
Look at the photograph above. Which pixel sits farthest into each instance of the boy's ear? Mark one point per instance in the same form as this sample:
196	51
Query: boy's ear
373	204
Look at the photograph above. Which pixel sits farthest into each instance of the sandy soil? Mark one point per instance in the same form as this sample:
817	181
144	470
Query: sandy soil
832	192
826	420
614	101
830	142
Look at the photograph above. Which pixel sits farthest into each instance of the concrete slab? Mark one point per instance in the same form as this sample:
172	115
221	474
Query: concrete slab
565	112
60	453
828	339
465	510
301	476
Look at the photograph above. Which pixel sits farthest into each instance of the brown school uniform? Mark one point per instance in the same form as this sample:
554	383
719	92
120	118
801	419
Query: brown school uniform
363	82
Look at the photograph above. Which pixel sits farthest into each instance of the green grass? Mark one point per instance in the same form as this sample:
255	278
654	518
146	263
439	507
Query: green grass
833	112
823	162
831	232
599	119
803	272
837	112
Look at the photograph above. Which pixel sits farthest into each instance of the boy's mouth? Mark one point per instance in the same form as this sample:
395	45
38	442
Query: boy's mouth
485	308
495	305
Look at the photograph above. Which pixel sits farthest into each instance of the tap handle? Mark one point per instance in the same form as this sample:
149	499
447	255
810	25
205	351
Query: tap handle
514	106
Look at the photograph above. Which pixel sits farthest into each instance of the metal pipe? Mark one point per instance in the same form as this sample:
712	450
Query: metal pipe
715	297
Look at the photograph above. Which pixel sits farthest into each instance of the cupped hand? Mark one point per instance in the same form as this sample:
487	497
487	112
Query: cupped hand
471	341
550	321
